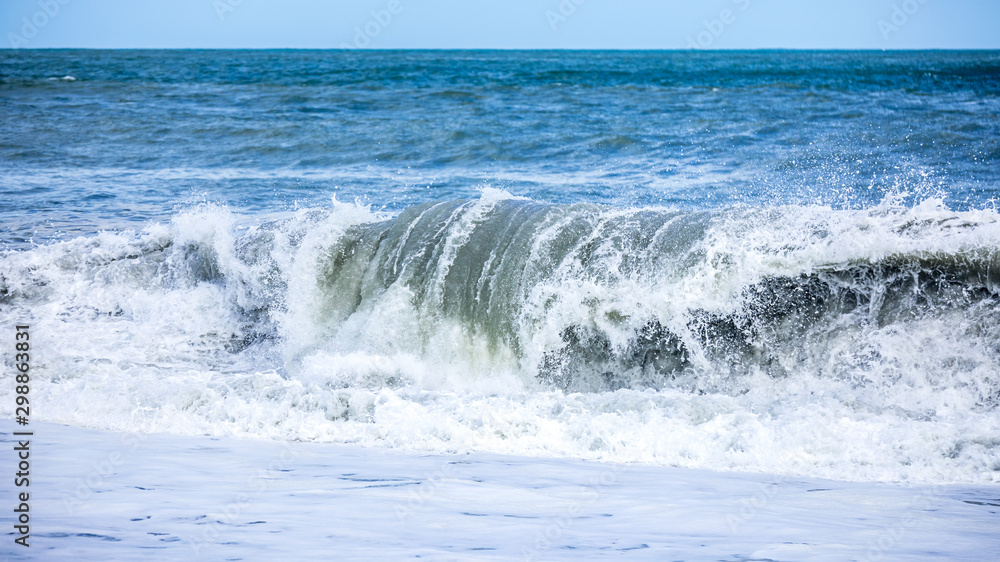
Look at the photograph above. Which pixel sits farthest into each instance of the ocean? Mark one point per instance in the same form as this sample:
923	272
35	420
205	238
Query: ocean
767	269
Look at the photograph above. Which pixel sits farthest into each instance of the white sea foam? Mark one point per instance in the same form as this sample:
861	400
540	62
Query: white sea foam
126	496
205	325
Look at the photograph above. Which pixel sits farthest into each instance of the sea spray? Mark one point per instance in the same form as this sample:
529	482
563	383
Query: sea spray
852	344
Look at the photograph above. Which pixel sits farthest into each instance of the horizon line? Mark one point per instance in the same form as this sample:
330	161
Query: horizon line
378	49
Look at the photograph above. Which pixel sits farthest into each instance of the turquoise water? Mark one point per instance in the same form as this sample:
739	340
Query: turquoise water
99	139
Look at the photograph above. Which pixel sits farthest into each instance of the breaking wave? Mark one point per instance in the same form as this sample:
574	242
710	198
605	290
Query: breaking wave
851	344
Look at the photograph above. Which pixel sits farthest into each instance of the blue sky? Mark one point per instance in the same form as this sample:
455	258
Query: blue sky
576	24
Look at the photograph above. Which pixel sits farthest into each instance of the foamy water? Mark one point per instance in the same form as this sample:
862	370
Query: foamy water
129	496
801	340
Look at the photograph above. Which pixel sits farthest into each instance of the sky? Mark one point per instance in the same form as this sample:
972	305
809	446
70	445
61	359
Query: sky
502	24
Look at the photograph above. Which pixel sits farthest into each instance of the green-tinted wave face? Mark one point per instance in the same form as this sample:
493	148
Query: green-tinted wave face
589	298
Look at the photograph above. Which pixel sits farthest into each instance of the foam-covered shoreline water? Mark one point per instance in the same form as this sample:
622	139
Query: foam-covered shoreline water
846	344
132	496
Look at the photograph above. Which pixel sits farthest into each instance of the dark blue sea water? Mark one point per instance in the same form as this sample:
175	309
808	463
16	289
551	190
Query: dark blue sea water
783	262
105	139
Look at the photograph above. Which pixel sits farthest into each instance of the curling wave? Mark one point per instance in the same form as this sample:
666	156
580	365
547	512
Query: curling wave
743	338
